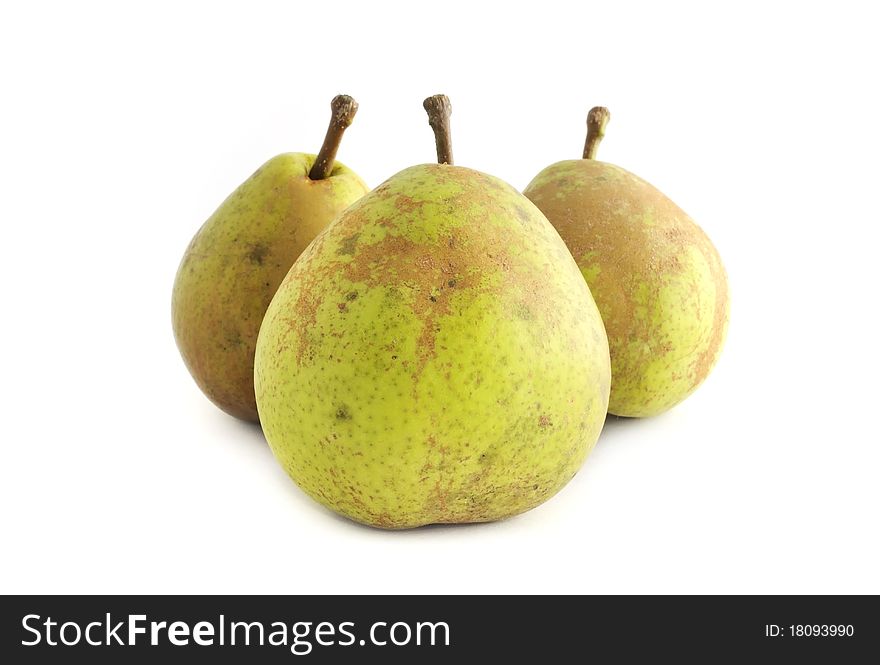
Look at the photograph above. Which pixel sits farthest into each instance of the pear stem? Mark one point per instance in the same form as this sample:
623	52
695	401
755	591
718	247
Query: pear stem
597	118
439	109
344	109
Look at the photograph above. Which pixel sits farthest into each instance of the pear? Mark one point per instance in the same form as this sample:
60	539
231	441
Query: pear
435	355
236	261
657	279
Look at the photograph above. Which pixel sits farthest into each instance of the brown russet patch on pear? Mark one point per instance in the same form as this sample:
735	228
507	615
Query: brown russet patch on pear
407	204
384	521
431	271
438	499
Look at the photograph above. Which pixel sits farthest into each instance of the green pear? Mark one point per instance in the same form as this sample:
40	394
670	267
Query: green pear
435	355
236	261
657	278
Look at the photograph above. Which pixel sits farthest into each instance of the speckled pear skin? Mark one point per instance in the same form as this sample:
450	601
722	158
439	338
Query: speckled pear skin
434	356
236	261
656	277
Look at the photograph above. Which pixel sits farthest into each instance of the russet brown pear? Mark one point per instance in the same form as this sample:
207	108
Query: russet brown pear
655	275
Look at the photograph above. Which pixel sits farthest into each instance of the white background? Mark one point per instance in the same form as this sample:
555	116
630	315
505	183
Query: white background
122	128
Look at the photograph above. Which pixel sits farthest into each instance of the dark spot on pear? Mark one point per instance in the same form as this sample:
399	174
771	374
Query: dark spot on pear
258	254
351	296
348	245
342	413
451	283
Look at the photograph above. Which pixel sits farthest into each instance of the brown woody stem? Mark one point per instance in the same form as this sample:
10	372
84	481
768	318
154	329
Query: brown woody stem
344	109
439	109
597	118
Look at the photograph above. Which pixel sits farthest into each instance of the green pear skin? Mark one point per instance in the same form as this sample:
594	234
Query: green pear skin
656	278
236	261
434	356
